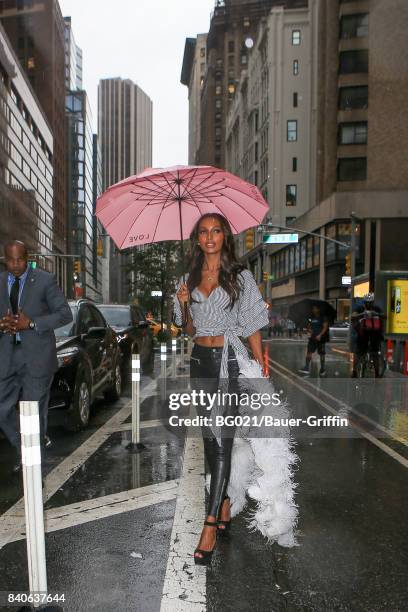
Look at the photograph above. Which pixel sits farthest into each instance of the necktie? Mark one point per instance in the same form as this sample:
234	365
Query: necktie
15	290
14	293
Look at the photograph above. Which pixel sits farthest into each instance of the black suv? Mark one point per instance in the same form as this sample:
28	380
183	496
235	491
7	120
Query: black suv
133	331
89	361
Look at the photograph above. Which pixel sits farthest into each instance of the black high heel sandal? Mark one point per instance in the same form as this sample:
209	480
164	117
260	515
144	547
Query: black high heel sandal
205	559
224	531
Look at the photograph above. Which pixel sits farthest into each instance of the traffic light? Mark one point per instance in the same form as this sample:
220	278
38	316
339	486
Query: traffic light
266	276
249	240
99	249
348	264
77	266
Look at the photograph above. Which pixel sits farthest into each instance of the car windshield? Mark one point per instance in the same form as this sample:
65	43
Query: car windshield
116	316
66	330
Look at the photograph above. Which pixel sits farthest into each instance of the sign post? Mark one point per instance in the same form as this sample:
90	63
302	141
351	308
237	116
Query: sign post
135	446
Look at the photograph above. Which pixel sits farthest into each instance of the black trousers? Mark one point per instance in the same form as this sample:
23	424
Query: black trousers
18	385
205	366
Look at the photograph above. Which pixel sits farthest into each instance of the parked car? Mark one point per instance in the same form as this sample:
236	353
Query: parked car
133	331
339	331
89	363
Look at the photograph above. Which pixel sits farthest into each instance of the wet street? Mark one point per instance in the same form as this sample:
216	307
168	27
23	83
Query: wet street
116	522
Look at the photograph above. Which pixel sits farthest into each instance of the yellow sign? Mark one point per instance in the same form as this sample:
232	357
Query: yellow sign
361	289
397	306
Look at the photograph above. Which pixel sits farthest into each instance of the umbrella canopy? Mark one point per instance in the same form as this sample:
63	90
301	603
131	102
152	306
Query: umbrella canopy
165	203
302	311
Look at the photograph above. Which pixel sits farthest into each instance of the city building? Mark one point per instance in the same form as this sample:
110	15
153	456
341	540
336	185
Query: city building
361	159
192	75
26	162
271	127
233	27
81	198
73	59
82	228
125	135
36	31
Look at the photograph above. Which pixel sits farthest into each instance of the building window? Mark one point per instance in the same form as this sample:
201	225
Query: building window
231	46
202	52
256	177
295	99
295	67
295	37
352	169
291	195
354	26
353	133
218	90
218	103
352	62
353	97
294	164
218	63
231	60
246	22
256	152
291	134
244	59
30	63
289	220
231	88
316	251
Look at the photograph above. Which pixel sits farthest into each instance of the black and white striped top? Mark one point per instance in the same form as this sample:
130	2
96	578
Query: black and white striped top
212	316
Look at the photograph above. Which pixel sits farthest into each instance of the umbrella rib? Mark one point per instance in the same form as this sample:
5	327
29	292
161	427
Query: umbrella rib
238	204
197	187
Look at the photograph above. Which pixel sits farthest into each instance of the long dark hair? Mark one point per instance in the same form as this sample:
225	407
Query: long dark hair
230	267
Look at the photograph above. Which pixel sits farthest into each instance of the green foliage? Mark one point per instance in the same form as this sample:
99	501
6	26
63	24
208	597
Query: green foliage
157	266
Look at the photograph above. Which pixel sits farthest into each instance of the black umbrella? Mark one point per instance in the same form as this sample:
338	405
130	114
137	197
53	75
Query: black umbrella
302	311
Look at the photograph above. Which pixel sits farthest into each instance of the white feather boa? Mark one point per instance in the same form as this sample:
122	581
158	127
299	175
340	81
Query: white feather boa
262	467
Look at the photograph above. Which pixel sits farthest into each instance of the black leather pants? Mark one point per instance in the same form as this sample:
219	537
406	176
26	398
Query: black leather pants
205	366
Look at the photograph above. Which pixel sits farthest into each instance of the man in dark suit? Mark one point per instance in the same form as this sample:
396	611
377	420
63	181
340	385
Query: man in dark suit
31	307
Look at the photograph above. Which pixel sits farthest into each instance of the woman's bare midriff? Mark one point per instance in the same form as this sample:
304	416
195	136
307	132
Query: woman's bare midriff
212	341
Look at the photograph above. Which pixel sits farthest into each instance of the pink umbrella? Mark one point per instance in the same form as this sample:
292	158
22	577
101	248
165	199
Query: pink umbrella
165	203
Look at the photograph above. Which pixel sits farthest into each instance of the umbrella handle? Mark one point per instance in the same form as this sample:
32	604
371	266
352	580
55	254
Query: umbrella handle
185	315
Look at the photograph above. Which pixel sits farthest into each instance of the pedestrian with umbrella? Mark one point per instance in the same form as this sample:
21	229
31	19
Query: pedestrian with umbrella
318	315
217	303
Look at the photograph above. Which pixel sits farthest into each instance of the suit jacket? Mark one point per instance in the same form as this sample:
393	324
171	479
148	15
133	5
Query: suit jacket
45	304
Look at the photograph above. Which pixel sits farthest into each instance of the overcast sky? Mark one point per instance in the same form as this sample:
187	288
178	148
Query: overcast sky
142	40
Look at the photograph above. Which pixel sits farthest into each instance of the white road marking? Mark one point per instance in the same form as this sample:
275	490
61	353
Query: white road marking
366	435
75	514
13	520
184	587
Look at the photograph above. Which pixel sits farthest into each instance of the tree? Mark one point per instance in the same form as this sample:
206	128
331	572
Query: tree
156	267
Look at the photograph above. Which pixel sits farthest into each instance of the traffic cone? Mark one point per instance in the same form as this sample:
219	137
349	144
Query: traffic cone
390	351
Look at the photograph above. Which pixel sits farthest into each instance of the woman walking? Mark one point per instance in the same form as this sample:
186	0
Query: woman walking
223	303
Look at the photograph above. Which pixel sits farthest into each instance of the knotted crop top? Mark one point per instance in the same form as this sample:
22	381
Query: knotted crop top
212	316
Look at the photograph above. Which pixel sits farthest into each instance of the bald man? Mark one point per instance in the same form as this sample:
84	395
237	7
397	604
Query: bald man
31	307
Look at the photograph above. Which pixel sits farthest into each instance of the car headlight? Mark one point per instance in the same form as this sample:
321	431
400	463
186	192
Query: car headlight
66	357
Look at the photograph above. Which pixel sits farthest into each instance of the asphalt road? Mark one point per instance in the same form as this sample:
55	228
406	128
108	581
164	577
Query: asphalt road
114	540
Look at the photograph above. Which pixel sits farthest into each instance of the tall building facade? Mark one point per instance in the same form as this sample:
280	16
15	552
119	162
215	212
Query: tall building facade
271	128
82	184
36	31
361	157
192	75
26	161
234	24
125	118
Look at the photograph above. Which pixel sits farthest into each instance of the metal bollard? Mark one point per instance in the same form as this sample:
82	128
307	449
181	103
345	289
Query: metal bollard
163	372
182	346
135	446
33	501
174	357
